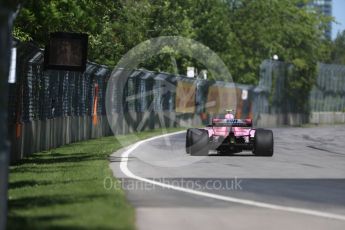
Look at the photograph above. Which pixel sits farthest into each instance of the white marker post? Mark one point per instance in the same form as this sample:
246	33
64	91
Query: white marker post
12	74
191	72
244	95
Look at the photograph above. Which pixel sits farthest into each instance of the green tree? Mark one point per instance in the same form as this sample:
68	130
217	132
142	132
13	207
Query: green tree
149	19
38	18
263	28
242	32
338	49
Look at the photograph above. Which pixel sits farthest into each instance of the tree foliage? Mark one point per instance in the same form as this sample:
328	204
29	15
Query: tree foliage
242	32
338	49
264	28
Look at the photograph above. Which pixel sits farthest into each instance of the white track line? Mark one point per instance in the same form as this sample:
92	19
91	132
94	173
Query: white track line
127	172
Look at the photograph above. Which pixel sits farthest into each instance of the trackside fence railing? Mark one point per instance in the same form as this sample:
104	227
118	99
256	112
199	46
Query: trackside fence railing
49	108
273	105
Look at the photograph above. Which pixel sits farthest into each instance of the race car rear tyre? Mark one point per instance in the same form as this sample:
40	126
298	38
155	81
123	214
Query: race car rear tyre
263	143
199	142
188	140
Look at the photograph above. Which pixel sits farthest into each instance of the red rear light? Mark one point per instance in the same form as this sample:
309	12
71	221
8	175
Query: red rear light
248	121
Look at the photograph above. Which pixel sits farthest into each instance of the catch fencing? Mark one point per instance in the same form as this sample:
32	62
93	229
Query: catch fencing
327	98
273	105
49	108
328	94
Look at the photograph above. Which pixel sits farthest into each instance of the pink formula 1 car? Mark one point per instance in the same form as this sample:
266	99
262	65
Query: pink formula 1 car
229	135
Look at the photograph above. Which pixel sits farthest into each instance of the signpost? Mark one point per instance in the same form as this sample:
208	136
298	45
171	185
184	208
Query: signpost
66	51
7	14
4	146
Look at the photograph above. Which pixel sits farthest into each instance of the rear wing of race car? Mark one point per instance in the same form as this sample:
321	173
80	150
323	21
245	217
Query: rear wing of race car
232	122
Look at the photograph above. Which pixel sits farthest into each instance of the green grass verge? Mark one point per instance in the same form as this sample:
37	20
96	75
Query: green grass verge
64	188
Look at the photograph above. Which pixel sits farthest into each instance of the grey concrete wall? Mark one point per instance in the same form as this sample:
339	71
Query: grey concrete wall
43	135
327	117
273	120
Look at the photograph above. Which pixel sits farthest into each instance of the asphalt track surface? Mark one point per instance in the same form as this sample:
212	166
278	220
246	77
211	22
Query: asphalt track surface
301	187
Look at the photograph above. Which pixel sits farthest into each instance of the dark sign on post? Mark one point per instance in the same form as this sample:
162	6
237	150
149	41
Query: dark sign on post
66	51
